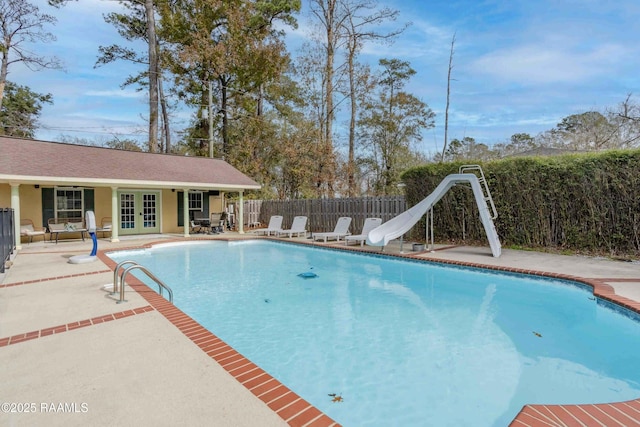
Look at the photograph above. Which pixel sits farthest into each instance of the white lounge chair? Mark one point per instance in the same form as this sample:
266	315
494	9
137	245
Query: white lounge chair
369	224
341	230
275	225
298	227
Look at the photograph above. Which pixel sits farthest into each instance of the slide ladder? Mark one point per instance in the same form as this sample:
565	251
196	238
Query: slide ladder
396	227
485	188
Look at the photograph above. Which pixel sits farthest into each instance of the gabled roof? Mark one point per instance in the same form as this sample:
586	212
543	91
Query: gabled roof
53	163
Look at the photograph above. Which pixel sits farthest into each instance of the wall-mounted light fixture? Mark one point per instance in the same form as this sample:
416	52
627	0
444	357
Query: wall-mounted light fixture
37	185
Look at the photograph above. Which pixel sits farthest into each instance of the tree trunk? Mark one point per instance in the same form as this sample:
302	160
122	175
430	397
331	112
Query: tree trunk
446	111
328	165
153	76
351	182
165	118
328	140
4	67
225	118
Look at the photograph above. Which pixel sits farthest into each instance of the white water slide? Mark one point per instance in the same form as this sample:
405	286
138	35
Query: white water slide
402	223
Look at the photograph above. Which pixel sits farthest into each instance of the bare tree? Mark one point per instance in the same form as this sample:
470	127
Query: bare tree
626	118
21	23
153	75
446	111
330	19
357	27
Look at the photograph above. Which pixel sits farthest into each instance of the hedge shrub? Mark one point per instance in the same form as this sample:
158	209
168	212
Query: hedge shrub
580	202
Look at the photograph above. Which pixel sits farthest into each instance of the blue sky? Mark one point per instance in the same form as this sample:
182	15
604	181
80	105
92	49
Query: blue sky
519	66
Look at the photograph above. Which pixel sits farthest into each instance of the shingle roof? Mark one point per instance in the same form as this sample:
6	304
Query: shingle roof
31	161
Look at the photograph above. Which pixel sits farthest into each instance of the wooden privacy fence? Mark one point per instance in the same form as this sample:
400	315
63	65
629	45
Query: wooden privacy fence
323	214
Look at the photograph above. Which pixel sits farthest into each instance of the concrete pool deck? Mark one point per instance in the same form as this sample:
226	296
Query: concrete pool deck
69	355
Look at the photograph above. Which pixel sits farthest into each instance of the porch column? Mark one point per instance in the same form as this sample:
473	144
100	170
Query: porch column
185	211
115	216
15	205
241	213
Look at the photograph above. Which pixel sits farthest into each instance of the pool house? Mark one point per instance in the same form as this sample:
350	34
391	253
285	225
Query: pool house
140	193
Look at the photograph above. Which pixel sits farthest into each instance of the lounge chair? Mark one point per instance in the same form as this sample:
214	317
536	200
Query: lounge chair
28	229
341	230
369	224
275	225
298	227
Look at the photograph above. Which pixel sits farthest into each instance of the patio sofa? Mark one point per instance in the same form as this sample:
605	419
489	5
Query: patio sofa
65	226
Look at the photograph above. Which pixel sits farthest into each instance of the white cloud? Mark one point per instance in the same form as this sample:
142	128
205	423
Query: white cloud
115	93
421	39
544	64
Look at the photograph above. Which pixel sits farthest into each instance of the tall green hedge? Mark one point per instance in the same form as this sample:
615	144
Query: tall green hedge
583	202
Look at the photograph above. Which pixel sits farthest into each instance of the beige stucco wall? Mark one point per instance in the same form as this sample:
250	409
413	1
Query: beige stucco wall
102	204
216	203
31	203
170	212
5	196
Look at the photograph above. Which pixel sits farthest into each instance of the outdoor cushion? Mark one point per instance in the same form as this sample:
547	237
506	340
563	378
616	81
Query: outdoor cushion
26	228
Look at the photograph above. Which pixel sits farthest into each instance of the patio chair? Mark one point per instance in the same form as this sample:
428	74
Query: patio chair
200	222
369	224
341	230
298	227
275	225
217	222
105	226
28	229
194	227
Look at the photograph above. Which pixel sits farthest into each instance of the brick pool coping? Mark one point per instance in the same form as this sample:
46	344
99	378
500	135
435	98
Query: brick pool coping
298	412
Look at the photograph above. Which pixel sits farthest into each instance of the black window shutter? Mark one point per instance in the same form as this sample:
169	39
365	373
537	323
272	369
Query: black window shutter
180	208
48	205
205	204
89	200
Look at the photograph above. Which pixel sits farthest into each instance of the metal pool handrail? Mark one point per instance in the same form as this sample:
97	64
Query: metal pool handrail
145	270
115	274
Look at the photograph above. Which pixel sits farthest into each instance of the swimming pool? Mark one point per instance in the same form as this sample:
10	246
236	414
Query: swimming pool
402	343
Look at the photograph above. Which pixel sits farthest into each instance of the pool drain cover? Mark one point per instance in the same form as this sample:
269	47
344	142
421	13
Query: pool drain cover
308	275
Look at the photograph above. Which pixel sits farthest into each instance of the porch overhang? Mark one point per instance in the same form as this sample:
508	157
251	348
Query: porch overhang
123	183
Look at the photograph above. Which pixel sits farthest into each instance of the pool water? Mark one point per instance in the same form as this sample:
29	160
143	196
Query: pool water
401	342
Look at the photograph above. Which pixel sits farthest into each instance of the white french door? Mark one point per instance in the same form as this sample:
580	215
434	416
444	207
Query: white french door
139	212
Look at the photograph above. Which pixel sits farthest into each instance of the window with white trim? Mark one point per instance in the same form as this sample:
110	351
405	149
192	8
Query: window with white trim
195	201
69	203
